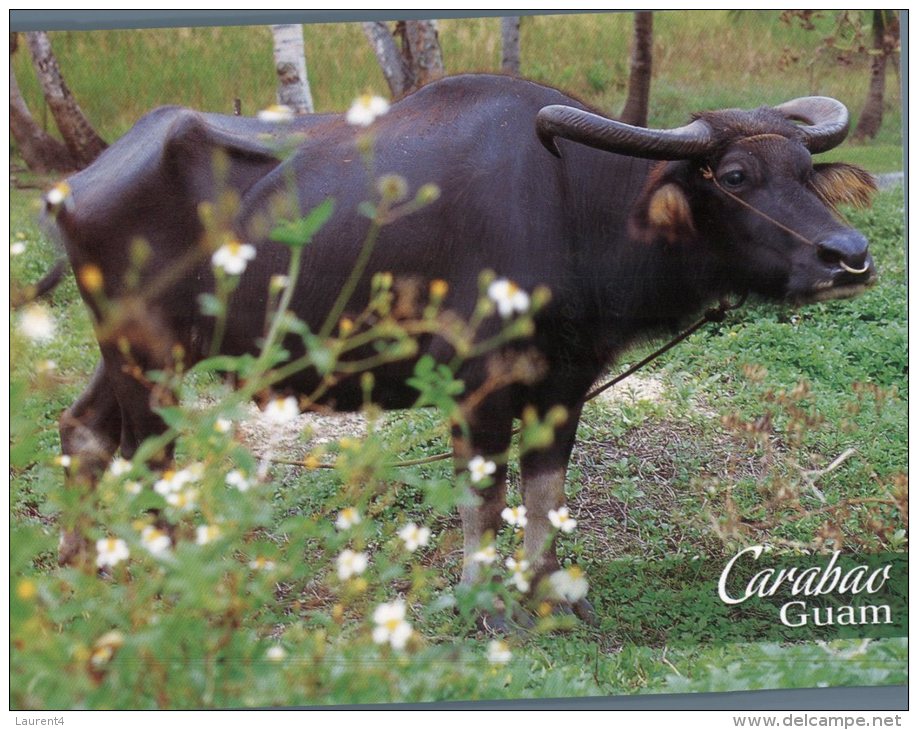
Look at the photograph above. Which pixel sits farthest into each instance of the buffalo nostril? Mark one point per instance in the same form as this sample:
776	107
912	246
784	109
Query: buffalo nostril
846	250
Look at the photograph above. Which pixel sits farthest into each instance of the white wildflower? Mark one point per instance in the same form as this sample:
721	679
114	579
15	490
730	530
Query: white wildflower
173	481
347	518
233	257
391	625
499	652
111	552
276	654
119	467
569	585
261	563
17	248
63	460
237	478
183	500
276	114
206	533
518	574
59	195
155	540
282	410
37	323
366	109
486	555
508	297
223	425
480	468
562	519
414	536
351	563
515	516
133	487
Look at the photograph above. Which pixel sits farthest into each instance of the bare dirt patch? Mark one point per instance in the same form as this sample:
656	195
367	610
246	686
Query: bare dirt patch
637	387
297	438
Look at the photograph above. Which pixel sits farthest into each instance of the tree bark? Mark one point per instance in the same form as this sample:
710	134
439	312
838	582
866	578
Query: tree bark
410	56
638	101
290	63
79	136
885	41
390	58
510	45
40	151
424	49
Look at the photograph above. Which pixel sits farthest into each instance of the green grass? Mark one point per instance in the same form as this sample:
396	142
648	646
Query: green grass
702	60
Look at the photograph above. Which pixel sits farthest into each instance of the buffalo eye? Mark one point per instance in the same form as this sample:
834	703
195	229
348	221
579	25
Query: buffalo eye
733	179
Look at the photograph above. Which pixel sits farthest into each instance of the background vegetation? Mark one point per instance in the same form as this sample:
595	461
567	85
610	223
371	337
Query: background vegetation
678	476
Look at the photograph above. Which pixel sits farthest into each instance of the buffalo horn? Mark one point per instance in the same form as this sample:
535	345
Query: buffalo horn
577	125
825	121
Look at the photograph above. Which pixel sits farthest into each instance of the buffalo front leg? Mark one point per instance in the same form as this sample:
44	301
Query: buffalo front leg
484	457
543	474
90	431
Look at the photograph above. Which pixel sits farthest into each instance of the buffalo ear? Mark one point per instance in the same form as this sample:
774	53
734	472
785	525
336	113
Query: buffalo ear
838	183
665	213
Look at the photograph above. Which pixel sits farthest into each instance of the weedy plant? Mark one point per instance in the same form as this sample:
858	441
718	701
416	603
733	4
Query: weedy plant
787	508
199	583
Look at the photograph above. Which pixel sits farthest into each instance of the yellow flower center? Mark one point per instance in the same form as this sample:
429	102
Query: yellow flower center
91	277
438	288
26	589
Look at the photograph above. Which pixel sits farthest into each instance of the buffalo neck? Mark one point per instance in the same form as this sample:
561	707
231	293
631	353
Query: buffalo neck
631	289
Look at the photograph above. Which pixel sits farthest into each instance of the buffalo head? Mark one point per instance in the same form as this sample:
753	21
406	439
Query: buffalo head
742	184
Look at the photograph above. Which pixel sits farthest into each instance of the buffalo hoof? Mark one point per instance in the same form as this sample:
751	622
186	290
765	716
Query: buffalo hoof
504	624
583	610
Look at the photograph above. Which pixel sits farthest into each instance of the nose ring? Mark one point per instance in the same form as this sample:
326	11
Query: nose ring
851	270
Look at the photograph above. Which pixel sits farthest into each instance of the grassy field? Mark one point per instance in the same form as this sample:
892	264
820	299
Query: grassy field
702	60
666	480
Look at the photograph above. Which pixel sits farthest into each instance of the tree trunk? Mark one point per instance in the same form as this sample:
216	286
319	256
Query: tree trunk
885	37
638	101
390	58
423	46
79	136
411	61
510	45
290	64
41	151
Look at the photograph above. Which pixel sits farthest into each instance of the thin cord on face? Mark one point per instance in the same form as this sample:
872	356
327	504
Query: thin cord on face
708	174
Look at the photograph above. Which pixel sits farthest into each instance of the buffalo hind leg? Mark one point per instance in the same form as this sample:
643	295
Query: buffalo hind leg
490	439
543	473
90	432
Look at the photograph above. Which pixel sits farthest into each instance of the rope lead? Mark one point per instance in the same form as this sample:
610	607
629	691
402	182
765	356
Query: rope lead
713	315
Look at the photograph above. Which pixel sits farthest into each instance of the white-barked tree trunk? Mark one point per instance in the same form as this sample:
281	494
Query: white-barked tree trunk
290	64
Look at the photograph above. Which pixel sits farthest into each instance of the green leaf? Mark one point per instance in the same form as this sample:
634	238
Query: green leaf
299	233
224	364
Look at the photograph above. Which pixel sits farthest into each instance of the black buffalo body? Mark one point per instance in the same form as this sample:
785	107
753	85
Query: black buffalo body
632	230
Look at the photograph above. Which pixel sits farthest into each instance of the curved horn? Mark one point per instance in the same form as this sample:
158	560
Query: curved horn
577	125
825	121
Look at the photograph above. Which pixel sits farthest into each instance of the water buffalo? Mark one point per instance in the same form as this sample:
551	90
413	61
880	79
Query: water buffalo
632	230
